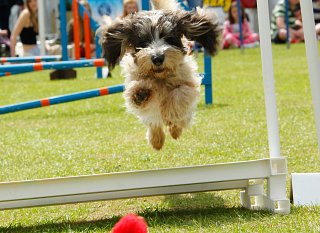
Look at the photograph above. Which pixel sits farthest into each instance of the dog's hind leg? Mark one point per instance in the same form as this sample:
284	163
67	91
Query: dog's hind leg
156	136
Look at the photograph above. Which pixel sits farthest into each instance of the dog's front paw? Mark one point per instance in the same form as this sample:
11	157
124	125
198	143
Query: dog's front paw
141	96
175	131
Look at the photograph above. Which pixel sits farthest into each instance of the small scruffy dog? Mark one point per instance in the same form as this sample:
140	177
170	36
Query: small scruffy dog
162	86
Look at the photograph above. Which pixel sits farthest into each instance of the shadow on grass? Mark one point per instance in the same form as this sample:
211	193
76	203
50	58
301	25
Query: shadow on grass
177	210
211	106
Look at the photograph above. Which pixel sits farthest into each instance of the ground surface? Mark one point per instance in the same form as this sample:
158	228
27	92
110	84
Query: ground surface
97	136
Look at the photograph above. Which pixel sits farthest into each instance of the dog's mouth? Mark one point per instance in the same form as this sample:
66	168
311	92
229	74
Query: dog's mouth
159	70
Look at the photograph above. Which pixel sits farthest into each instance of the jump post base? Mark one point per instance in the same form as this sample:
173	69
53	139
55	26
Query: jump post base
63	74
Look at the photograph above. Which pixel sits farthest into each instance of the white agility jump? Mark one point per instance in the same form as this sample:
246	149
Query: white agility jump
248	176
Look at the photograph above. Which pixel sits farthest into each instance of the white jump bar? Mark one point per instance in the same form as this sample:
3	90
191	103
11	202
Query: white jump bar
136	184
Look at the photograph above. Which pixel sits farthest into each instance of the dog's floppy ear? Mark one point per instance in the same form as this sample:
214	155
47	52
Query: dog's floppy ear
204	29
114	42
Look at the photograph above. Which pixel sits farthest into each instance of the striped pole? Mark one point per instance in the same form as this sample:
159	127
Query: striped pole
9	73
51	65
61	99
29	59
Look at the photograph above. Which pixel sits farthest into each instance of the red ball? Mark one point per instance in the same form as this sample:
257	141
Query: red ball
131	223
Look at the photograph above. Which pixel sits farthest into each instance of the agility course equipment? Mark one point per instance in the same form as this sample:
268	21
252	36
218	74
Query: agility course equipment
249	176
78	10
311	44
305	186
62	99
30	59
21	68
82	95
145	183
8	73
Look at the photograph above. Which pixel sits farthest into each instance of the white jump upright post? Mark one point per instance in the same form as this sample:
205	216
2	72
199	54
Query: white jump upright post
311	44
277	182
268	78
42	27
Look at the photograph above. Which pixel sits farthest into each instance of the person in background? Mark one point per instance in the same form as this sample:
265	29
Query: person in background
278	23
231	30
4	14
129	7
27	28
4	43
316	13
15	11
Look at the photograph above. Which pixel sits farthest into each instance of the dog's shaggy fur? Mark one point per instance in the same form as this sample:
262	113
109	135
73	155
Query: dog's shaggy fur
162	86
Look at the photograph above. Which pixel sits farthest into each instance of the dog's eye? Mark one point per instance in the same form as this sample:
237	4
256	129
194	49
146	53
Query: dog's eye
175	41
141	44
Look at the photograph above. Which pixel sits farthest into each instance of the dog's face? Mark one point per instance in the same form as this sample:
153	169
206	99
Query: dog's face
154	39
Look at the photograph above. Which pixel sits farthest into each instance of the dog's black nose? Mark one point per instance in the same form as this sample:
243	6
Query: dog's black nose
157	59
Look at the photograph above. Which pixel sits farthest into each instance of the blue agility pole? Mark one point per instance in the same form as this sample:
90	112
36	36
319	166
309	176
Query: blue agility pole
63	29
145	5
286	2
30	59
240	23
51	65
207	79
61	99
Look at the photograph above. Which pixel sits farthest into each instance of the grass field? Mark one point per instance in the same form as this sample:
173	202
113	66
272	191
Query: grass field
97	136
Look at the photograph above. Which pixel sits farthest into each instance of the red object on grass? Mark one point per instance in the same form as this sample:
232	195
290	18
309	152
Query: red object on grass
131	223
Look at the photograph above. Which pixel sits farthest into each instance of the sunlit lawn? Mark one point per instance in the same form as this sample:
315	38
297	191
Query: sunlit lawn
98	136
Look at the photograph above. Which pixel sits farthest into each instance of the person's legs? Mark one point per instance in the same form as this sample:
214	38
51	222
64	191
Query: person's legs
281	36
252	38
296	35
230	41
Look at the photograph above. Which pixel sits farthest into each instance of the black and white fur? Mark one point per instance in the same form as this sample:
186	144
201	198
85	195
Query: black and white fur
161	80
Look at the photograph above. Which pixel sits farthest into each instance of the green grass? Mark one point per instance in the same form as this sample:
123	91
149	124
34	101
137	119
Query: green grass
97	136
